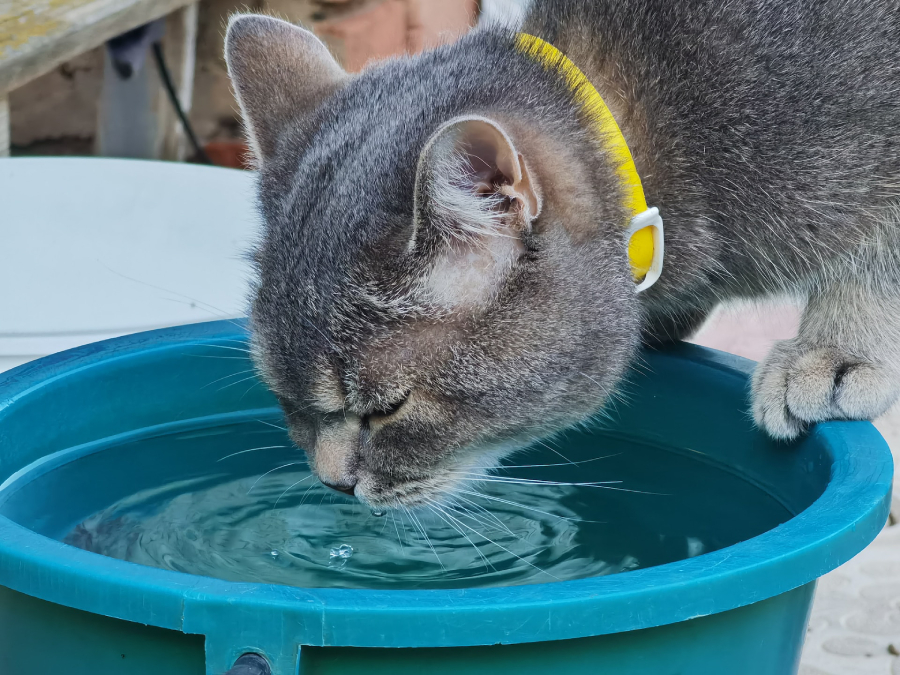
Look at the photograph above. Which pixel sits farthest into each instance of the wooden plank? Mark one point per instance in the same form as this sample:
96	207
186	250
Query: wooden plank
35	37
4	126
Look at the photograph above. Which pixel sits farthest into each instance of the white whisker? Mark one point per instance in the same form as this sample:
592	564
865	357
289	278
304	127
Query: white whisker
240	372
231	384
416	521
542	466
241	452
508	502
210	346
397	530
283	466
269	424
438	512
488	513
275	506
527	562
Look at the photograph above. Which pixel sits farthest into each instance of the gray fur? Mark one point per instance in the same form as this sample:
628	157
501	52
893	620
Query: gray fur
765	132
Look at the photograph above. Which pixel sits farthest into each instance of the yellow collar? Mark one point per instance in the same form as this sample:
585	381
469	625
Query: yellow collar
645	228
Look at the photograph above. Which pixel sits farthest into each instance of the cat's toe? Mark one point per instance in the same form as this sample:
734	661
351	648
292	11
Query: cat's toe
812	381
796	386
770	382
865	390
829	384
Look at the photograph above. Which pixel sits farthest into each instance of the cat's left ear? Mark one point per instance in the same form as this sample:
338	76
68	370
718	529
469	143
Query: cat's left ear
473	183
280	73
475	200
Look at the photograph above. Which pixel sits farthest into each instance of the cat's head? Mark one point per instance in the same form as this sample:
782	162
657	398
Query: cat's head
443	273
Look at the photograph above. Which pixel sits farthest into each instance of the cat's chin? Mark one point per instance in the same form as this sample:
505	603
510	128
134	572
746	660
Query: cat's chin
380	495
437	489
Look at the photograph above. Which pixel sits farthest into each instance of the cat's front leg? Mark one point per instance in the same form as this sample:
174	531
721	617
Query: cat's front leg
844	363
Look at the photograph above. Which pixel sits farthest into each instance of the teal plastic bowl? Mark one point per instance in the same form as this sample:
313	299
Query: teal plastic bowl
740	610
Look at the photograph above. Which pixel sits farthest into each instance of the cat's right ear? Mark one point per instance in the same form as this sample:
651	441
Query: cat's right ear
280	73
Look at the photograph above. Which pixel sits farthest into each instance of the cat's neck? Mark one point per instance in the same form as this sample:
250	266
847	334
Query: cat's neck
692	253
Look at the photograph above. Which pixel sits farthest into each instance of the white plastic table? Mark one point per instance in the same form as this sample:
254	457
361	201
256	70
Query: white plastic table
95	248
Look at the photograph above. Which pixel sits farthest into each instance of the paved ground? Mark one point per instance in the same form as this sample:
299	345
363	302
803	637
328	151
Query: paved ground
855	625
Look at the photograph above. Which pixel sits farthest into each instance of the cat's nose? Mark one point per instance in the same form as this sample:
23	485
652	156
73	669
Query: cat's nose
347	489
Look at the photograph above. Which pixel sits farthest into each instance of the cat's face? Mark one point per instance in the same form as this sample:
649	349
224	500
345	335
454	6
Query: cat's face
437	285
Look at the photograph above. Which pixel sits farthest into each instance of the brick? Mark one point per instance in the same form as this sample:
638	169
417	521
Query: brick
436	22
375	31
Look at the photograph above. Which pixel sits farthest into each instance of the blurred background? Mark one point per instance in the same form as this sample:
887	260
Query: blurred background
71	92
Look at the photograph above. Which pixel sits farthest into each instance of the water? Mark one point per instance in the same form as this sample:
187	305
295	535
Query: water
236	502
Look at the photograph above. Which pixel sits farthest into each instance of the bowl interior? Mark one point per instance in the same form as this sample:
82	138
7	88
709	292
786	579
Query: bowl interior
174	457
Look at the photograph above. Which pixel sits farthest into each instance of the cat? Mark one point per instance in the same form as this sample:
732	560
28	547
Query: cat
445	271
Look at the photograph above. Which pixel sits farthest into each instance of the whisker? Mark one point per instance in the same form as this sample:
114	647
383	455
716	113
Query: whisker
406	534
240	372
607	485
249	389
231	384
437	511
303	499
397	530
265	447
383	527
542	466
556	452
468	514
211	356
291	486
488	513
212	346
509	502
416	521
243	343
283	466
490	478
527	562
463	512
269	424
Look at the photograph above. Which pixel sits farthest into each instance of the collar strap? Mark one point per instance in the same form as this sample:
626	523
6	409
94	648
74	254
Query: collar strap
645	227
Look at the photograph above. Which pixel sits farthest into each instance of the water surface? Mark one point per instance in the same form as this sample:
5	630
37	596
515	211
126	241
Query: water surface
237	502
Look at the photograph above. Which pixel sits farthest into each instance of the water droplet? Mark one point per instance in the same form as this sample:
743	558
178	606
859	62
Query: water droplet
274	554
377	514
342	552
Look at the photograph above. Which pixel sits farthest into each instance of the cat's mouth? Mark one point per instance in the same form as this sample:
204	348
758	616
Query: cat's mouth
382	493
411	489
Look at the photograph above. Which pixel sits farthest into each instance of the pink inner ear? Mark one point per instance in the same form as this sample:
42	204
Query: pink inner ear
497	168
492	158
477	184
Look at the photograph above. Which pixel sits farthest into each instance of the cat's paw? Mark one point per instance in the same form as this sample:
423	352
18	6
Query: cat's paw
798	384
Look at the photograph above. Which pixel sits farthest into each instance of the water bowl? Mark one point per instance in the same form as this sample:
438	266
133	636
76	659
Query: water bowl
154	518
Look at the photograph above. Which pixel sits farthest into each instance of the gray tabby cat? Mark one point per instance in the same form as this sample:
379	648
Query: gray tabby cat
444	275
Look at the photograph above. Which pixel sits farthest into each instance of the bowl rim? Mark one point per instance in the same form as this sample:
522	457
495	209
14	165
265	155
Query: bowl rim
839	524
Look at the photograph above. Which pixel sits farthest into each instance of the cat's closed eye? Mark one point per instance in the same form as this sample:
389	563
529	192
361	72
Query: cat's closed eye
385	412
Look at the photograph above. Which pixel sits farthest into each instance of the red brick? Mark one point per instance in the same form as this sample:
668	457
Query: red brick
375	31
435	22
383	28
